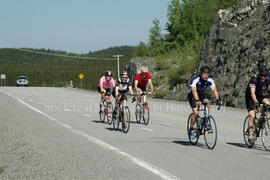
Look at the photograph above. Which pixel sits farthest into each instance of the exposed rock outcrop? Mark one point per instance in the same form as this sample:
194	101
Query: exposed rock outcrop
237	46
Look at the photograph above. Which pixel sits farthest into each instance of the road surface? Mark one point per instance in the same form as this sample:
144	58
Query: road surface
55	133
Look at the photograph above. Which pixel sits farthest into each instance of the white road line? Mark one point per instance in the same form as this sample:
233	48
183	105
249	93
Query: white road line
87	115
147	129
154	169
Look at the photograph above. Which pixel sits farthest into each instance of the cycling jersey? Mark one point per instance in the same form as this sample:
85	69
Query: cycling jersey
200	84
262	90
106	84
142	79
123	86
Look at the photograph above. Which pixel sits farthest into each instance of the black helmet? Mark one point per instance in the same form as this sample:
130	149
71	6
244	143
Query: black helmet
263	72
123	73
108	73
205	69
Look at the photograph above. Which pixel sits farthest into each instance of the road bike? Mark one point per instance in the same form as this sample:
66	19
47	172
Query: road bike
106	110
206	126
142	109
122	115
261	128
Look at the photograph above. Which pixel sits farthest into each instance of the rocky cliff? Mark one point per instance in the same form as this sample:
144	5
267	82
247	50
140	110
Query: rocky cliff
237	46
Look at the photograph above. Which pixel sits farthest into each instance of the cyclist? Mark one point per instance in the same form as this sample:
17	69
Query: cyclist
104	88
141	81
122	86
257	92
197	94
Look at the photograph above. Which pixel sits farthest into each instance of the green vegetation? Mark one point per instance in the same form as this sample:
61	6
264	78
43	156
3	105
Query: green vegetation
1	169
178	51
57	68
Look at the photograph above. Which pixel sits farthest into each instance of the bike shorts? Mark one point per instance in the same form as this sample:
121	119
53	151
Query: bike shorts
250	105
192	101
143	89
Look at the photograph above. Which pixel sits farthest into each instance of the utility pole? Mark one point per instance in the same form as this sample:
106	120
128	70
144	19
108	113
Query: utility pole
118	68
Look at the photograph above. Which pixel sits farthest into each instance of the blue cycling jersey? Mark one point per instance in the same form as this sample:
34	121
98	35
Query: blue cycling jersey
201	85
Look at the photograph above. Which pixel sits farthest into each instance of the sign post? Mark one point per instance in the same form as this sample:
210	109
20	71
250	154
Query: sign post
118	68
3	79
81	76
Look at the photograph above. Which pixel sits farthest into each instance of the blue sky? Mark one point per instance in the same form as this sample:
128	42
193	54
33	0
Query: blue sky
78	25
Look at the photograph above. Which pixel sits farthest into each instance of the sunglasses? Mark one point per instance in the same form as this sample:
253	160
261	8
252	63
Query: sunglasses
124	77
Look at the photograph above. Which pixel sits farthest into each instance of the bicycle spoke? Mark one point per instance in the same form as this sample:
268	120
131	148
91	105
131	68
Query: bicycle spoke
210	133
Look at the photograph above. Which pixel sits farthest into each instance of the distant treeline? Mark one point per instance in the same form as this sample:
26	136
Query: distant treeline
58	71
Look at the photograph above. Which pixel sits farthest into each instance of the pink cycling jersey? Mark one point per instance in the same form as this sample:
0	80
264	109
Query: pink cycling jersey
106	84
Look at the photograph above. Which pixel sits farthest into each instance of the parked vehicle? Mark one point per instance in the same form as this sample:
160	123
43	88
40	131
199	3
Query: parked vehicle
22	81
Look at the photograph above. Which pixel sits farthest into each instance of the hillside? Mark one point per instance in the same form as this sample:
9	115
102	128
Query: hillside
57	68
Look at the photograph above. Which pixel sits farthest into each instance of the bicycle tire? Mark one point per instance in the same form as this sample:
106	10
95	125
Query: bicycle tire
138	114
245	133
102	117
265	135
110	111
192	141
115	122
210	141
146	119
126	119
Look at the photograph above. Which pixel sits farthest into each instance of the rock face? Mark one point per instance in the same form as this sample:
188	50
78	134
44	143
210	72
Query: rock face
237	46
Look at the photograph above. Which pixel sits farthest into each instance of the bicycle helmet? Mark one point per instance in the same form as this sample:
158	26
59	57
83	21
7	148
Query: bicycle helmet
144	70
123	73
263	72
108	73
205	69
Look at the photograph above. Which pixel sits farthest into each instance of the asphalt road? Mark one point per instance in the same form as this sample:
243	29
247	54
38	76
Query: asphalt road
55	133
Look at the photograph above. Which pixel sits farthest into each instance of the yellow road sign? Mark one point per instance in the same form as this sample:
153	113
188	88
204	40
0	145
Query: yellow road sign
81	76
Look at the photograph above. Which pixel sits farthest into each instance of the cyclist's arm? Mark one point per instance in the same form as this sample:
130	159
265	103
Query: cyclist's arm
252	92
130	90
116	91
151	85
195	93
136	86
215	91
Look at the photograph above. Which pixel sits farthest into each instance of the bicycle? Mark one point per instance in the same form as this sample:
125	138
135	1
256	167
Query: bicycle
122	115
106	110
261	127
206	126
142	109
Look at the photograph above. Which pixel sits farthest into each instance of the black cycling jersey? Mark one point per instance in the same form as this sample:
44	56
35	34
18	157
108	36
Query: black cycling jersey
262	89
123	86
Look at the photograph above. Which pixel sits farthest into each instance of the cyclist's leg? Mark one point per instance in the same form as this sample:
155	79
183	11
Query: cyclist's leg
266	101
101	99
252	114
143	98
139	97
194	108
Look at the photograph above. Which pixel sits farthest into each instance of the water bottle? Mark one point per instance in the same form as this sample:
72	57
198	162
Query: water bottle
199	121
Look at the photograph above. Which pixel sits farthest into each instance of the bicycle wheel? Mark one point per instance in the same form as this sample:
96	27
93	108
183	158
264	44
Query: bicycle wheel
193	141
102	116
210	132
126	119
138	113
246	133
115	121
146	114
265	135
110	110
